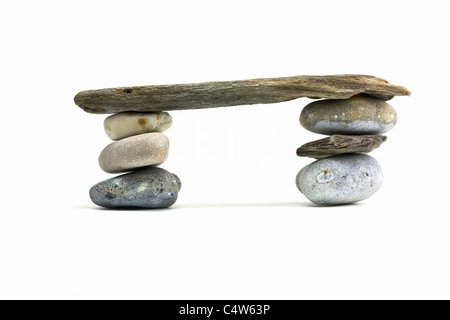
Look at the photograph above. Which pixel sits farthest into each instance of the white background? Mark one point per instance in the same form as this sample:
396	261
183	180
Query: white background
240	228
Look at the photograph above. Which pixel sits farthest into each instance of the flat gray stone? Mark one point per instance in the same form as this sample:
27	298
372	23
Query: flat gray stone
340	179
127	124
149	187
359	115
134	152
340	144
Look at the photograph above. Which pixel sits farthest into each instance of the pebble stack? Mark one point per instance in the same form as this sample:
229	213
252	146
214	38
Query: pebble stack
139	147
353	113
343	173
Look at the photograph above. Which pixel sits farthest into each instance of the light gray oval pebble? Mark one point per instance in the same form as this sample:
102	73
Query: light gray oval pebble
340	179
358	115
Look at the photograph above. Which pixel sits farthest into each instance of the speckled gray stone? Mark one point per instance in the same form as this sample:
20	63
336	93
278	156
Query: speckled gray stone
340	179
357	115
149	187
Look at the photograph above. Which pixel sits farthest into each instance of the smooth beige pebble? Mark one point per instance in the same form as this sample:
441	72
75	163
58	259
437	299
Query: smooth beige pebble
134	152
127	124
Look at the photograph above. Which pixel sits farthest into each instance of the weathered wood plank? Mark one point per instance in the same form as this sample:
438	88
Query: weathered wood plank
233	93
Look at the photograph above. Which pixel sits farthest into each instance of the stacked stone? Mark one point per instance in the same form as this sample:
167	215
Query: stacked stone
344	172
139	147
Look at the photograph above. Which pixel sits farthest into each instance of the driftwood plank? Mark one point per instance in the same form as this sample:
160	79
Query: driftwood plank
233	93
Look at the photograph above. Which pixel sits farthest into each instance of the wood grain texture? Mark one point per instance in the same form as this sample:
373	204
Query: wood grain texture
340	144
233	93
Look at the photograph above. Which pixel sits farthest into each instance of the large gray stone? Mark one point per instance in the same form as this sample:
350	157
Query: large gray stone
149	187
340	179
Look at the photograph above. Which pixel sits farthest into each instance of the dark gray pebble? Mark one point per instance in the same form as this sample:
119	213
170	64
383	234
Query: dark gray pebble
149	187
